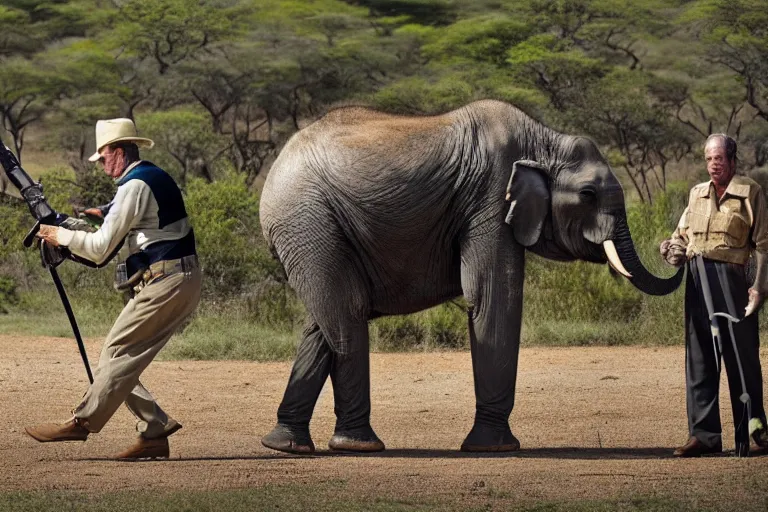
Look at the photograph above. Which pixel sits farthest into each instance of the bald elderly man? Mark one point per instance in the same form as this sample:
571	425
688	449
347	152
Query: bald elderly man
725	221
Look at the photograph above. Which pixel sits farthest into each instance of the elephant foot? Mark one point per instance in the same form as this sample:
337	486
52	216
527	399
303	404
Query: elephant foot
356	440
289	440
486	439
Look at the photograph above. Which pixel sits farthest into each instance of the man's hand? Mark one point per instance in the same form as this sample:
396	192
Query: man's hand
673	252
755	299
49	234
50	255
94	216
78	224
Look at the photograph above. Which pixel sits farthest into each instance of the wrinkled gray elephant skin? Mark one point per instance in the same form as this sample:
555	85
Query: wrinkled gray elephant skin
372	214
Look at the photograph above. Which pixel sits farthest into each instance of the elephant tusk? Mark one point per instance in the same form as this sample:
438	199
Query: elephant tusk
613	259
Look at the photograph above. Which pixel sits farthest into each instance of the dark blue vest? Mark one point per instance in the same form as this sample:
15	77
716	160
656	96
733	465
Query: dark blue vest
170	209
167	194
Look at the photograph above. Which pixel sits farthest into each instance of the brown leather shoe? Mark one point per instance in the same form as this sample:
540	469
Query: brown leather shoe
695	448
51	432
146	449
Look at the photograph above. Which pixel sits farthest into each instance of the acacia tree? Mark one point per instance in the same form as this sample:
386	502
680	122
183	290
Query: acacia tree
171	31
735	49
441	68
630	111
587	58
27	91
736	37
485	39
423	12
15	32
615	31
30	84
186	145
561	72
148	38
227	89
299	59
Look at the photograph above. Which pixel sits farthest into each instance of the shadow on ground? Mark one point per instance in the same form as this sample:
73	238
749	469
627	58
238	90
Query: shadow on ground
576	453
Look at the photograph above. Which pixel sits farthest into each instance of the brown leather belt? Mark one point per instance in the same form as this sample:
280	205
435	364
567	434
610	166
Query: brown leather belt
169	267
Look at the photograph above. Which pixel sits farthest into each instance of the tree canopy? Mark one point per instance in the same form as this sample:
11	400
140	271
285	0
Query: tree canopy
222	84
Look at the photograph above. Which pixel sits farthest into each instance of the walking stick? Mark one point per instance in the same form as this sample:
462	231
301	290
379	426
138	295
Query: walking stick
72	320
742	449
32	193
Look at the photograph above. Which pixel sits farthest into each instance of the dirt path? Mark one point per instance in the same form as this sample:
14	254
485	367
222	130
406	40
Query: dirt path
594	423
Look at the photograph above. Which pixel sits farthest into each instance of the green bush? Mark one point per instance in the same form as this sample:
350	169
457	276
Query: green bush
249	311
87	188
396	333
274	304
225	216
228	335
239	271
19	267
441	327
8	295
187	145
16	223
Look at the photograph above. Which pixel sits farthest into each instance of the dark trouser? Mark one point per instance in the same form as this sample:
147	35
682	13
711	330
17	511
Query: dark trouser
728	286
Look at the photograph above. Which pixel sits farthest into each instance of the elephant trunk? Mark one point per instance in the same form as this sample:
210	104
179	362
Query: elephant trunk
631	267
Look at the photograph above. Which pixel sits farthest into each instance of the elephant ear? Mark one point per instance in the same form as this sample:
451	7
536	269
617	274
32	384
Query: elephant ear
529	197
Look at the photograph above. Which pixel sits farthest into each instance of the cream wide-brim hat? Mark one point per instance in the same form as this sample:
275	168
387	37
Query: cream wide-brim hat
110	131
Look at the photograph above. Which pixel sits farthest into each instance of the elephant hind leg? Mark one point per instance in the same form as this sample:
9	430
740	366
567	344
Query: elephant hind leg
333	286
350	375
308	375
346	330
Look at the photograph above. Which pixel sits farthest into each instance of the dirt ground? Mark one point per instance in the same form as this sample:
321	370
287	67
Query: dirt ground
594	423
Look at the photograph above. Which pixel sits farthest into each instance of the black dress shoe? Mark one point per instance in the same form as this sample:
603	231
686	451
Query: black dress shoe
695	448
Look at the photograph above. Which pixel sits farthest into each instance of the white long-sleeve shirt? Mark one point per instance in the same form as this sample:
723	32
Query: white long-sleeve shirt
147	208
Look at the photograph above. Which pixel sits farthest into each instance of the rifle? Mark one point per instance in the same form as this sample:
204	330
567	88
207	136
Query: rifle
32	193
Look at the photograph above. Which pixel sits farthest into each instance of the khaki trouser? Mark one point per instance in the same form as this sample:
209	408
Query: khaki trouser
142	329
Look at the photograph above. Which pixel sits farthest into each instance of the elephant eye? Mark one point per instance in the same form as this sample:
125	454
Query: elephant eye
588	194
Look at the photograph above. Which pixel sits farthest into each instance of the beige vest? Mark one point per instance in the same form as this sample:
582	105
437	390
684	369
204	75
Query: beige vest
720	230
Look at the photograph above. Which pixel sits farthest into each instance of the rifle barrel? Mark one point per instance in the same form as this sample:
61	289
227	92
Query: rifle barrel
31	191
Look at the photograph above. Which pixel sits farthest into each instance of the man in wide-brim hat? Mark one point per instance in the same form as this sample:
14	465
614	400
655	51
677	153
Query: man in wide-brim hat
147	214
111	131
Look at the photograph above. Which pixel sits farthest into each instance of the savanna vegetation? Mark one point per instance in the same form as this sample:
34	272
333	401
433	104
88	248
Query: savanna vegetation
220	85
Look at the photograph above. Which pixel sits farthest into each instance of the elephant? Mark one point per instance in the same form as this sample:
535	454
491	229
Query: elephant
374	214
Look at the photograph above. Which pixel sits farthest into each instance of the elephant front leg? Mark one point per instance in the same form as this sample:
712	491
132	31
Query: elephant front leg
492	279
309	373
